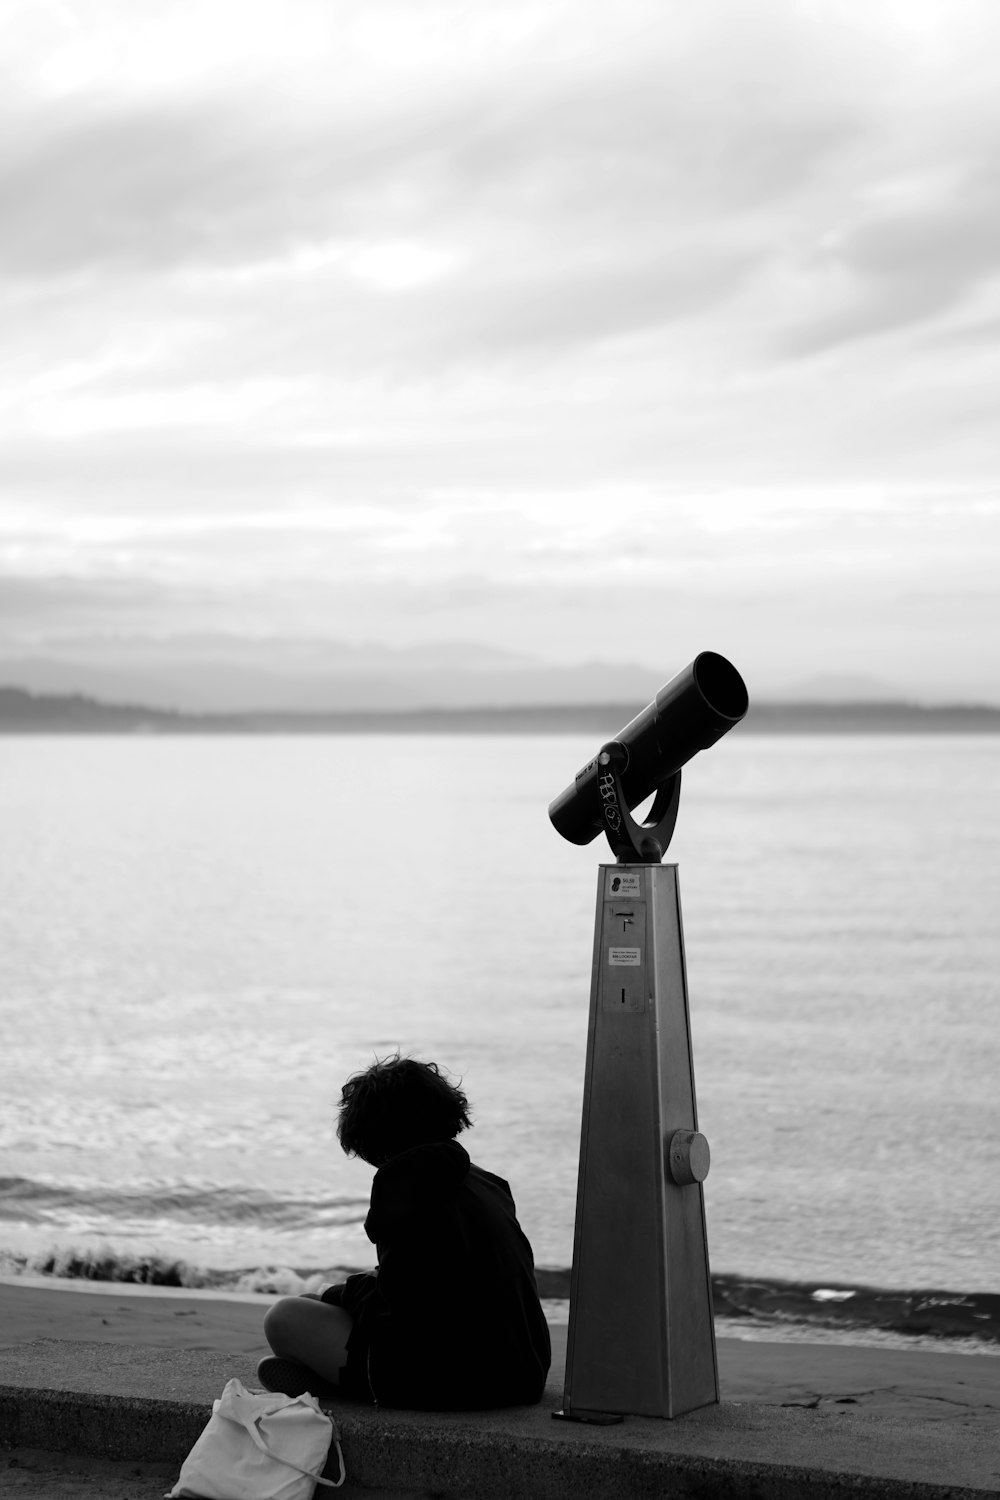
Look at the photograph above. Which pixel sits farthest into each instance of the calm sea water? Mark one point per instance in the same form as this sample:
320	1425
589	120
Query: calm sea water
200	938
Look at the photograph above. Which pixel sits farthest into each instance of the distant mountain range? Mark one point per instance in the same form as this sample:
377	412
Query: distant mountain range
23	712
218	675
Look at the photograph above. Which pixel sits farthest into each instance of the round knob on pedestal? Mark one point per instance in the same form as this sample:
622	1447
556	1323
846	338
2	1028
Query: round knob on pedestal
688	1157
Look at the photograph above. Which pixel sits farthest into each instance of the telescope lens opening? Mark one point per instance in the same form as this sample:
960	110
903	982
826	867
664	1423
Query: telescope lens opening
721	685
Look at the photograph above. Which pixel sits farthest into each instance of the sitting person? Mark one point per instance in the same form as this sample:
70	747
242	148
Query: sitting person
451	1317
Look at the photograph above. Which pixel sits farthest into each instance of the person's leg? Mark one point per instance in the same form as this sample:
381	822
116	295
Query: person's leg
314	1333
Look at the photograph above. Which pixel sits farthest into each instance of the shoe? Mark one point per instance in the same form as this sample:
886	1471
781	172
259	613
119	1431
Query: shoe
289	1378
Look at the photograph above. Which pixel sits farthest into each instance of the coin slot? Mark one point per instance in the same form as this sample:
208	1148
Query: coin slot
624	981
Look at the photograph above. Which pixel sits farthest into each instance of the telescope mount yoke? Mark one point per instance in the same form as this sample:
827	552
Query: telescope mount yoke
632	842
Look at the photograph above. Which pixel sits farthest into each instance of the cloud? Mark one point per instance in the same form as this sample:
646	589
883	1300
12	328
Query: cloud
589	182
52	606
496	277
115	189
630	130
906	265
832	579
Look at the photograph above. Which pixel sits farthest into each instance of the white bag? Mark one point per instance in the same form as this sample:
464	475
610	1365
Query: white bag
260	1446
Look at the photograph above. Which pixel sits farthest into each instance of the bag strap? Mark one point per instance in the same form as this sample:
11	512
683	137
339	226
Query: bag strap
334	1484
256	1437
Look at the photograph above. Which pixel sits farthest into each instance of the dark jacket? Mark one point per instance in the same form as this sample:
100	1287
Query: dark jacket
451	1319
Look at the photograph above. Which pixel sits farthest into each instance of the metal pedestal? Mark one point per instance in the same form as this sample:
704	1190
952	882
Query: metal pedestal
641	1336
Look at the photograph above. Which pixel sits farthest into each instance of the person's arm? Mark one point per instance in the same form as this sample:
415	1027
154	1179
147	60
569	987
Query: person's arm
329	1291
353	1294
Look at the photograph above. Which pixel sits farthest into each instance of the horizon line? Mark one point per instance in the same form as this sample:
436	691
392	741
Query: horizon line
52	707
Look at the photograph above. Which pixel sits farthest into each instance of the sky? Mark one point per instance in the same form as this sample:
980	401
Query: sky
587	331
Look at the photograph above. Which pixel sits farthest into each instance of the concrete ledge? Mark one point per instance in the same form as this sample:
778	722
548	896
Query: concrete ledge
149	1405
116	1427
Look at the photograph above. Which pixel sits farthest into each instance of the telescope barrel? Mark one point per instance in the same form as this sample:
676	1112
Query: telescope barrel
691	712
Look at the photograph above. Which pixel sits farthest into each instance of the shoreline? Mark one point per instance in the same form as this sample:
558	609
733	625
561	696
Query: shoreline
750	1310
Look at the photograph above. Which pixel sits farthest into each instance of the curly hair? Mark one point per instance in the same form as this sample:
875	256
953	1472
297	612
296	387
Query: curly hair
396	1104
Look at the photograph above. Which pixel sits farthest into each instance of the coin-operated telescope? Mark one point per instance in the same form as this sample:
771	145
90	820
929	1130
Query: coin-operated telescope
695	709
641	1336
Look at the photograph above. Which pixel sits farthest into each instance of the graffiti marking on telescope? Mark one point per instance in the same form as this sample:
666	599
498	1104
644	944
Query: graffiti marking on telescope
612	815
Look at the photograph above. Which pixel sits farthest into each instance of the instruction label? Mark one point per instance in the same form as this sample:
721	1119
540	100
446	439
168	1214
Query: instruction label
624	883
624	958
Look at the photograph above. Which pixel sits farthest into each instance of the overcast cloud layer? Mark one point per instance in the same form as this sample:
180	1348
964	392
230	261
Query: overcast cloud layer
581	329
